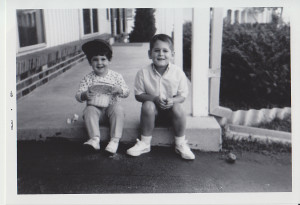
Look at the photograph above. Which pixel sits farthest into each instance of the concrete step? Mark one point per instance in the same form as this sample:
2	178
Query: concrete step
203	133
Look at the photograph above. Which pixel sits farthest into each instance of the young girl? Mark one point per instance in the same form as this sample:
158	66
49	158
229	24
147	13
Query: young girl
102	89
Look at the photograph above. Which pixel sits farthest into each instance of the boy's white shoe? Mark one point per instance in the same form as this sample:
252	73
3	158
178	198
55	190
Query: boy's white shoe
139	148
93	142
184	150
112	146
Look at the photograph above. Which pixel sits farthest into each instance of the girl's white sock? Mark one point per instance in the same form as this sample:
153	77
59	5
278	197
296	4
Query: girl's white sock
146	139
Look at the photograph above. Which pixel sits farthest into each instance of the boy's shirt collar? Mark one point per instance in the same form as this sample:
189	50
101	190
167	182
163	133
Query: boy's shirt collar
156	72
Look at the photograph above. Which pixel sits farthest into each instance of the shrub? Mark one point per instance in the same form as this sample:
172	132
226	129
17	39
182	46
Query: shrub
256	65
187	43
144	25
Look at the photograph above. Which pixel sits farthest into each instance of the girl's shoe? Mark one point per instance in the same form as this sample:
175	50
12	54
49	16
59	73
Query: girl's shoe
93	142
112	146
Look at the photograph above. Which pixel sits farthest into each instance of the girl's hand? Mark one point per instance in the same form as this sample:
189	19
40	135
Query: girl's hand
117	90
88	95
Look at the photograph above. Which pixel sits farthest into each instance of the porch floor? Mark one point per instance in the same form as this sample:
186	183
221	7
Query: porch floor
43	113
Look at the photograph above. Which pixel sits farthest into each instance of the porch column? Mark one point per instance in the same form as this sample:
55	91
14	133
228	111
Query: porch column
200	61
236	16
124	20
119	21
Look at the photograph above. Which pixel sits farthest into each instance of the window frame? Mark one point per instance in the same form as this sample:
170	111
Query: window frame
31	47
88	35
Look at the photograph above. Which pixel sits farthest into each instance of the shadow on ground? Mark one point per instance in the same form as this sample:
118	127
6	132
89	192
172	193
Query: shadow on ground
64	167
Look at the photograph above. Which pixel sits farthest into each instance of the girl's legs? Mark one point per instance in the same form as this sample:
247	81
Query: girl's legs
91	119
92	116
116	116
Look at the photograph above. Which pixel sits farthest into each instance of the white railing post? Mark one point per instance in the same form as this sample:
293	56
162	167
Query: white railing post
200	61
215	63
178	37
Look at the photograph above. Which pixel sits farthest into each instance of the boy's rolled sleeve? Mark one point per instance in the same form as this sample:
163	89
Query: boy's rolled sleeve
139	87
183	89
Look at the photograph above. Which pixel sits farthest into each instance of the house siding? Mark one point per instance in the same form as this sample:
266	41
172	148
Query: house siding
62	49
61	26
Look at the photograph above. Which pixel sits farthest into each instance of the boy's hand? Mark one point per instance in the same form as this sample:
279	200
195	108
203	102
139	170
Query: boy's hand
163	103
117	90
169	103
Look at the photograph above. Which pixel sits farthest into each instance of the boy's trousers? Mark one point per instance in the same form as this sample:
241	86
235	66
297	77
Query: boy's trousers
113	114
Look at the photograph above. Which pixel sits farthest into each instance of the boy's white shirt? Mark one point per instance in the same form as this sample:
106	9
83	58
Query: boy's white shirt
172	83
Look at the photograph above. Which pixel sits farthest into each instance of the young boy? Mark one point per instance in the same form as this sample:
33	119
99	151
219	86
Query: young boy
161	88
99	53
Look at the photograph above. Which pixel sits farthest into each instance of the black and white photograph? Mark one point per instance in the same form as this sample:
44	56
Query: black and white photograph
150	102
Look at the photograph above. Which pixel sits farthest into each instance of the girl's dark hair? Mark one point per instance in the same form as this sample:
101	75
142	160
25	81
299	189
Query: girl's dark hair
97	47
106	53
161	37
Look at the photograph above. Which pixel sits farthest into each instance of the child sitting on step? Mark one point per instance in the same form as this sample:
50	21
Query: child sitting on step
102	89
161	87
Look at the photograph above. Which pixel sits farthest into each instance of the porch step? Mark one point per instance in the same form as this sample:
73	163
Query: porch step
203	133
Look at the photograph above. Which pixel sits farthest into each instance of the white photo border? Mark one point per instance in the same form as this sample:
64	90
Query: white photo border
8	143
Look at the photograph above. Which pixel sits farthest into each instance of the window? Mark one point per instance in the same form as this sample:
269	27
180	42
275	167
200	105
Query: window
95	20
30	27
90	21
107	14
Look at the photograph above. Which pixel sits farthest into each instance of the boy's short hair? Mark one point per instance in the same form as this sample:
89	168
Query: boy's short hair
97	47
161	37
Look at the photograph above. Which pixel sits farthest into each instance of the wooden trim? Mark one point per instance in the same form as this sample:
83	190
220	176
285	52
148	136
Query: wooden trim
214	73
221	112
252	133
215	63
31	48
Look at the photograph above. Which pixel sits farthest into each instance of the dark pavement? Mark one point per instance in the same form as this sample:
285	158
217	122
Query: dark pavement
59	166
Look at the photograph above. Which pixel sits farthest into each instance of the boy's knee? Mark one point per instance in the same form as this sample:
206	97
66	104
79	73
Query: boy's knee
148	108
177	110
